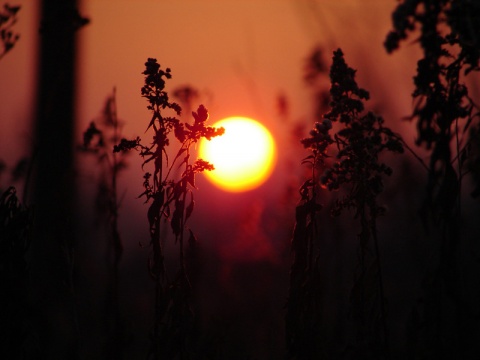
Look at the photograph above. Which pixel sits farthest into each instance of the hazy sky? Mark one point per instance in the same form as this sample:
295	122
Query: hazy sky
240	54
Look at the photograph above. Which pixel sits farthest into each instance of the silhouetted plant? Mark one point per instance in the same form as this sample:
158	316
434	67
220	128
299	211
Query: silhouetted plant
99	140
447	124
303	316
21	171
8	18
302	319
16	219
350	160
473	161
170	198
450	43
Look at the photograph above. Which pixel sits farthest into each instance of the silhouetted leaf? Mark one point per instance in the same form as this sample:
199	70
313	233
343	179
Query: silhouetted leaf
190	207
154	117
192	240
191	178
176	220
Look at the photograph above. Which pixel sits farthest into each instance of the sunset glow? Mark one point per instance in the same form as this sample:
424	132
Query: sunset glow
244	156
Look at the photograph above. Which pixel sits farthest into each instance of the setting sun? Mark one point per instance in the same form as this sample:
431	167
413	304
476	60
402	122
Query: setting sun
243	157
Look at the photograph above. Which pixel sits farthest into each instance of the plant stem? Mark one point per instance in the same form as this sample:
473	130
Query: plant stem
380	285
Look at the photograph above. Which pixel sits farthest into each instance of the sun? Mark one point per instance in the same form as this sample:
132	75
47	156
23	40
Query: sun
244	156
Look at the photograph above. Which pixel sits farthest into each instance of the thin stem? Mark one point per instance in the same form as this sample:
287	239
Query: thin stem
459	152
28	177
176	158
115	236
158	263
182	226
159	289
312	216
425	166
459	163
380	284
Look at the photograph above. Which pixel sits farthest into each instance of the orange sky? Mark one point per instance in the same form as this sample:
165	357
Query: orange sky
239	54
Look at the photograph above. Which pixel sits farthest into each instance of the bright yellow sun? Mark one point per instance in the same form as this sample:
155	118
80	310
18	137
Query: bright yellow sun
244	156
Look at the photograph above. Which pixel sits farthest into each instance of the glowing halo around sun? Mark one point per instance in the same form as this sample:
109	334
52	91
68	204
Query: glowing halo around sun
243	157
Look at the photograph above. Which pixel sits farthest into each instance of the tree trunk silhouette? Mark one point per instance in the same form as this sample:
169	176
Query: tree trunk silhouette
52	257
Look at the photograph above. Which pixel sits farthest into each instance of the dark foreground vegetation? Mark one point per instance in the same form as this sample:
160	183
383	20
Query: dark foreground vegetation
381	261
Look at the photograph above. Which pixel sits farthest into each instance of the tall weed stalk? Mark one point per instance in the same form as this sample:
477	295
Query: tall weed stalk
99	140
348	161
447	122
170	198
